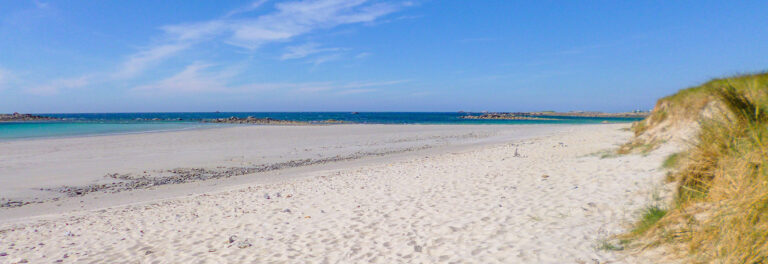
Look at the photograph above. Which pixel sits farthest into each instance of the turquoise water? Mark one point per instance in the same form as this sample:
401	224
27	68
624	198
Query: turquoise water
119	123
25	130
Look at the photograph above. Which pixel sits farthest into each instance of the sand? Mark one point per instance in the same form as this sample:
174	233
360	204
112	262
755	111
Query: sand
522	194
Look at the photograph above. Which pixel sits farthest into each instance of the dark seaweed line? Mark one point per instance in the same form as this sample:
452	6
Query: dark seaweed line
185	175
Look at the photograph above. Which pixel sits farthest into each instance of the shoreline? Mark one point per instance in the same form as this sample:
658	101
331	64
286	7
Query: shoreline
69	125
202	126
55	157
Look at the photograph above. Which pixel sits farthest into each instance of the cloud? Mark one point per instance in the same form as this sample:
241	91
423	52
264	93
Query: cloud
192	79
372	84
362	55
138	62
315	88
325	58
41	5
346	88
288	20
301	51
56	86
253	6
202	77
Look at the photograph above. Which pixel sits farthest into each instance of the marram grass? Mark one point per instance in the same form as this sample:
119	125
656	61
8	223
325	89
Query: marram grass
720	212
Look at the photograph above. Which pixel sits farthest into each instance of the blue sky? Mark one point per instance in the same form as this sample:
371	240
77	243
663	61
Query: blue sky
358	55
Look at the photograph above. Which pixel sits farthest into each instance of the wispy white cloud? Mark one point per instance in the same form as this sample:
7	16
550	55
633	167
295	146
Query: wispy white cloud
362	55
253	6
325	58
347	88
202	78
288	21
422	93
140	61
316	87
192	79
372	84
58	85
40	5
301	51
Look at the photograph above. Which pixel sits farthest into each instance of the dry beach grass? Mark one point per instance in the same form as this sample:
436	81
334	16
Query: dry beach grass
720	212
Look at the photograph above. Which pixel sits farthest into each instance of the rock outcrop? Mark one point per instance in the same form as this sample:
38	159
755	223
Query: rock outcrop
16	117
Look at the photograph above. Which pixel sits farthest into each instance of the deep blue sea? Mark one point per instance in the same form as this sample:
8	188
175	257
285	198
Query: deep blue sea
120	123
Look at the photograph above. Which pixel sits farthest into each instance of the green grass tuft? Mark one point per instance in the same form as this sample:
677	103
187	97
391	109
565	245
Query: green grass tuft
671	161
608	246
651	215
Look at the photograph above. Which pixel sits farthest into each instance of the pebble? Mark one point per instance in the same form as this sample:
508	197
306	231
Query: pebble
244	244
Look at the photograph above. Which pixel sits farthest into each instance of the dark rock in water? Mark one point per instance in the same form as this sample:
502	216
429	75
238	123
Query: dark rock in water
268	121
504	116
16	117
253	120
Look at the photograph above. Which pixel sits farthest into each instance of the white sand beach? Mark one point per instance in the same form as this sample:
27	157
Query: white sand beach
432	194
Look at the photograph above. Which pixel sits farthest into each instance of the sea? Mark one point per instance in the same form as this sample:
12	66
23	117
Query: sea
91	124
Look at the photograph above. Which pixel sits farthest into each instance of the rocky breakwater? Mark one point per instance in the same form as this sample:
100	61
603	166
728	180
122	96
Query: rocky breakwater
254	120
635	114
270	121
504	116
16	117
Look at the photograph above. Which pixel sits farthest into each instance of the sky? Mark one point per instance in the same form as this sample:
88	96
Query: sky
366	55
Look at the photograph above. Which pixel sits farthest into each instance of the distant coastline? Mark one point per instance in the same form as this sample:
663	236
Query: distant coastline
551	115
